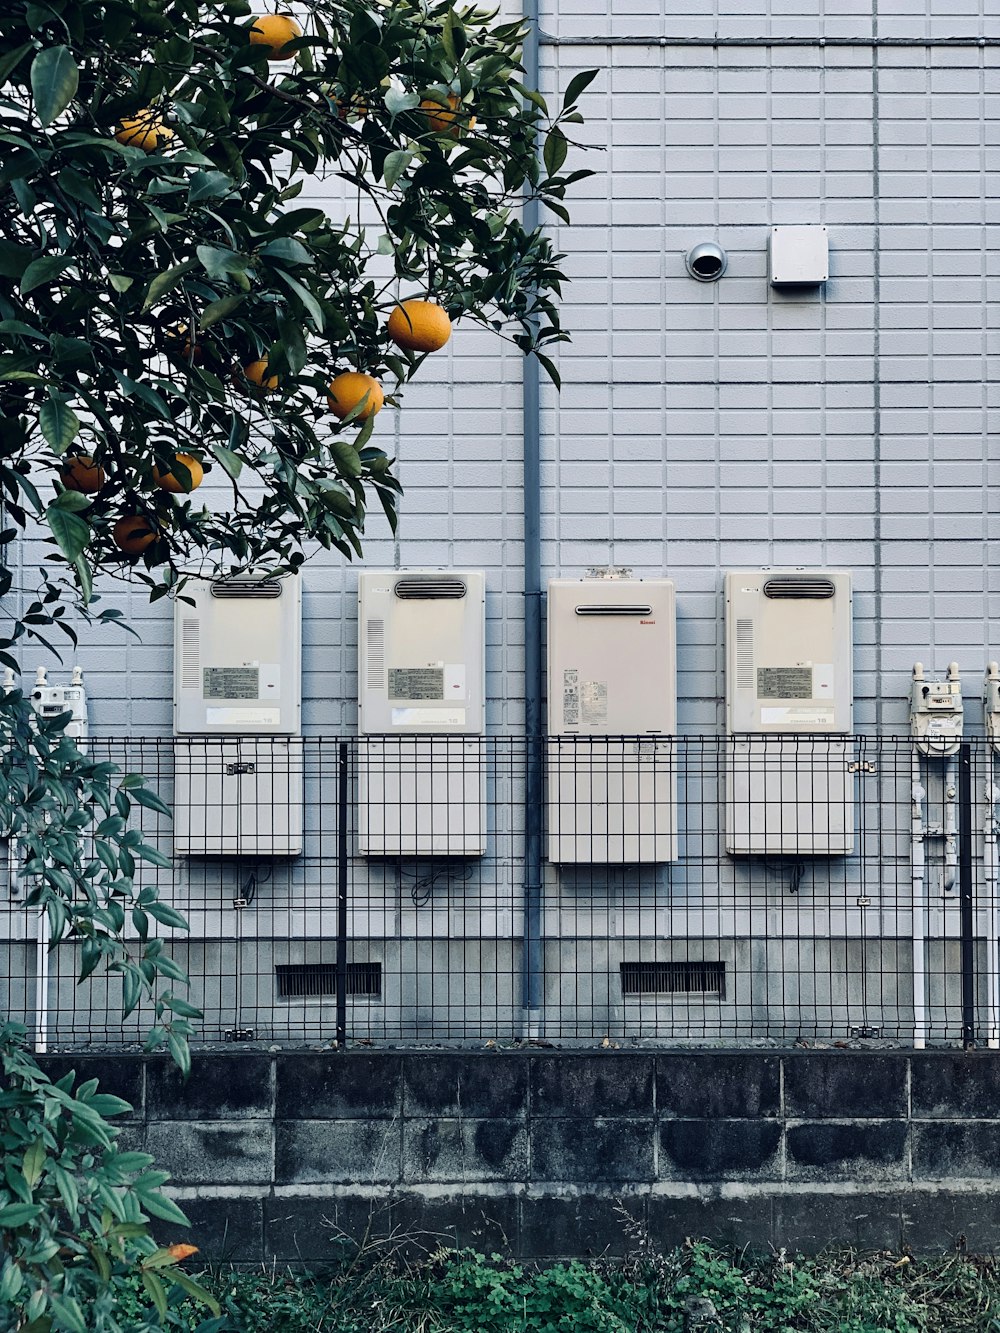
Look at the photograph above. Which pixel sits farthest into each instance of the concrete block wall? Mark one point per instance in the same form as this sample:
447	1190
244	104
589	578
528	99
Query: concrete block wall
553	1155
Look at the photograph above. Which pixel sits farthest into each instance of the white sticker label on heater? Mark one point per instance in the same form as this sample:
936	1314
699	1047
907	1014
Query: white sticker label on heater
270	680
594	702
454	680
428	717
798	717
571	698
231	682
243	717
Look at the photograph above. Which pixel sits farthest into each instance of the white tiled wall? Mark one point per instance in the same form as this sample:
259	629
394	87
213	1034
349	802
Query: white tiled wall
702	427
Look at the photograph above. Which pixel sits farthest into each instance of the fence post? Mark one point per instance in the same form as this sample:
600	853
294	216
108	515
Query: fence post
343	759
965	894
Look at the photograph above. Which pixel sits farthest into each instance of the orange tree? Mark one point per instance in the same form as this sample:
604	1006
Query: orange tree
169	307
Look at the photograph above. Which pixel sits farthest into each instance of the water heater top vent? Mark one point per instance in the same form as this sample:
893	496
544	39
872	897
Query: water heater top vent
247	588
596	609
412	589
790	586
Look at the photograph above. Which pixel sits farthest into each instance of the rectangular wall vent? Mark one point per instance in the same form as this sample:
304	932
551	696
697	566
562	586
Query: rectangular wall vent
744	654
258	589
789	586
301	981
686	978
190	652
427	589
375	632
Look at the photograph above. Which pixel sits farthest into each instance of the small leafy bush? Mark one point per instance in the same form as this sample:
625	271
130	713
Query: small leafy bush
74	1210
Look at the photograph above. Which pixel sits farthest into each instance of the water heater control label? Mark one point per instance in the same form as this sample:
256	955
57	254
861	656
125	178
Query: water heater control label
416	682
784	683
232	682
594	702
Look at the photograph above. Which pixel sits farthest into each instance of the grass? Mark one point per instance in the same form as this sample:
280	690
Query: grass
696	1289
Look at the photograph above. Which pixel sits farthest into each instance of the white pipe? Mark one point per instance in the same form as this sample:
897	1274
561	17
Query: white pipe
950	875
919	926
42	985
990	868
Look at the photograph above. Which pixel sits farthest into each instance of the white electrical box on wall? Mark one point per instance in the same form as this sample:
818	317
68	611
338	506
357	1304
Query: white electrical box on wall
789	712
421	712
612	714
799	256
238	783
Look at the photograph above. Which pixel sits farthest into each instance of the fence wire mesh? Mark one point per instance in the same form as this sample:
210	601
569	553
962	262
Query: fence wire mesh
668	890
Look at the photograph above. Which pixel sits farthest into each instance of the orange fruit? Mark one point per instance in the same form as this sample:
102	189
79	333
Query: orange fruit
447	119
145	130
275	31
81	473
256	373
419	326
348	389
178	485
133	533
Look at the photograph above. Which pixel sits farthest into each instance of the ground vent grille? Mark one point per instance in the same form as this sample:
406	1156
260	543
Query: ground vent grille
686	978
301	981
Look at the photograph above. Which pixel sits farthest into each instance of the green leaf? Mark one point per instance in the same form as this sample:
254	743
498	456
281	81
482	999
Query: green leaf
60	425
33	1162
162	1207
195	1291
166	915
165	282
157	1293
180	1053
209	185
85	577
309	301
54	81
40	272
348	462
219	263
12	59
453	37
144	796
550	369
68	1311
120	282
232	463
219	310
554	153
16	1214
70	531
396	101
578	84
287	248
394	166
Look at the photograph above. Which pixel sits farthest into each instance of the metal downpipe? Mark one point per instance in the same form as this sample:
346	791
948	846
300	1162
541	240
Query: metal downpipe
531	958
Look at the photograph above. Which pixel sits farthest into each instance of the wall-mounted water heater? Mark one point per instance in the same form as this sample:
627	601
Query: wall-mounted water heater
789	712
612	711
237	717
421	712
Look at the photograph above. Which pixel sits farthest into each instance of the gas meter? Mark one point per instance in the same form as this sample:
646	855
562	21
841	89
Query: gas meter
936	712
51	700
991	704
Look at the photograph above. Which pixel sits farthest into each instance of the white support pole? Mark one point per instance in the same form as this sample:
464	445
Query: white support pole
917	906
990	876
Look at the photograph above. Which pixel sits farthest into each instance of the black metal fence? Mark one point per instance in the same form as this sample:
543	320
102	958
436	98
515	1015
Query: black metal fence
667	890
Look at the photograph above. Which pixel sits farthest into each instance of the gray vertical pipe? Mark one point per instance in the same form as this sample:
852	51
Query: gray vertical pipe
531	962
